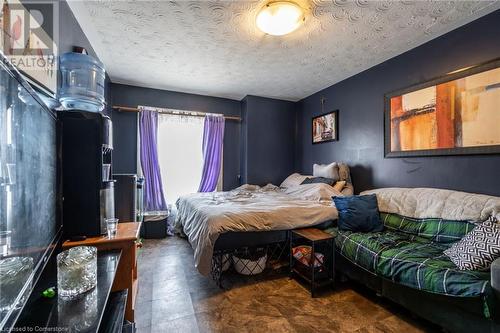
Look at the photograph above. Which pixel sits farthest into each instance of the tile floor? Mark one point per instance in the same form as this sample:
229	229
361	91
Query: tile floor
174	297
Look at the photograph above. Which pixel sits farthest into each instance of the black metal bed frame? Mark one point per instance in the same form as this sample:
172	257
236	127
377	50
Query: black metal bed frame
275	242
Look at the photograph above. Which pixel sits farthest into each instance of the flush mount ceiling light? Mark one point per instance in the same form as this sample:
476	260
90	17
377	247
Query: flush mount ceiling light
280	18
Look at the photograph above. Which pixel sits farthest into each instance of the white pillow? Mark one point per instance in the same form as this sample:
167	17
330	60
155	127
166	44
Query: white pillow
326	170
294	179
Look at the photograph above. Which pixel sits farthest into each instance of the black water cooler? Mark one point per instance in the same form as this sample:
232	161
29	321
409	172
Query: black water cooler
86	140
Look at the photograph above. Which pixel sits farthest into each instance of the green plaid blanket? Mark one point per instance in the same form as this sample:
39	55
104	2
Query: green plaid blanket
422	265
437	230
412	261
410	252
365	248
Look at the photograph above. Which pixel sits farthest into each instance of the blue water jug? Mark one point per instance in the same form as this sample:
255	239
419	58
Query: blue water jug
81	82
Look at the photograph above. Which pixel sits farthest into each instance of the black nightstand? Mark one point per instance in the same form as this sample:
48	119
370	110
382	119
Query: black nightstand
321	274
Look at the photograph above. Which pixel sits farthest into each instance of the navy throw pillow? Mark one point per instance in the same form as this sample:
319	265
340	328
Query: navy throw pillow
318	180
358	213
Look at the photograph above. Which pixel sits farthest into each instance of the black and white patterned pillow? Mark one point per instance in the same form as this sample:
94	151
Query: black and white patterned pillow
478	249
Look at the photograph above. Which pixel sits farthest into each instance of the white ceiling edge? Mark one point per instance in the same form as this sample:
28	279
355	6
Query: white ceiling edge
179	90
95	40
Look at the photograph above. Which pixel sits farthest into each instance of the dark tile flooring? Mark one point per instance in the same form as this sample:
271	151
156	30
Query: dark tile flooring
174	297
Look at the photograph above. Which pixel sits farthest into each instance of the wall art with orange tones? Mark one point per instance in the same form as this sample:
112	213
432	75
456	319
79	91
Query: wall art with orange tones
457	114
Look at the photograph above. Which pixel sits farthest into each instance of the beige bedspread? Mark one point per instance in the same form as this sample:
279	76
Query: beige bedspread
204	216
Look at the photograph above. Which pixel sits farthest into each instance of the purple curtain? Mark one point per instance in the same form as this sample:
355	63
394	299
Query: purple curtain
213	138
154	200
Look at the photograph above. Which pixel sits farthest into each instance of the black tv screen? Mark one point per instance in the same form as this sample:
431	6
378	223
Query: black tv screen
28	190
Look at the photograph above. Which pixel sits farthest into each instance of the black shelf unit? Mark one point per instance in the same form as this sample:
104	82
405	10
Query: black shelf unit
114	314
85	313
320	242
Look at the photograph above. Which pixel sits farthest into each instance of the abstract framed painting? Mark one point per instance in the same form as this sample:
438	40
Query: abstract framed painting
325	127
457	114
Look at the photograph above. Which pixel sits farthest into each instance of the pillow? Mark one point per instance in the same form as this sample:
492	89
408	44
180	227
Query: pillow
339	186
358	213
318	180
326	170
478	249
294	179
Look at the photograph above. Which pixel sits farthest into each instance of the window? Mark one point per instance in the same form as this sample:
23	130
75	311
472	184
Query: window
180	154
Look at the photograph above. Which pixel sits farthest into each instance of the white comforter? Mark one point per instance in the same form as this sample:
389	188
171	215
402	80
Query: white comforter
204	216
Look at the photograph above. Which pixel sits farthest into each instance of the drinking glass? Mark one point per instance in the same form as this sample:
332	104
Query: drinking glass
111	225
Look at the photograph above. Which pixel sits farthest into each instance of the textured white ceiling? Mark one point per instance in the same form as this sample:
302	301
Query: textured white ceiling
214	48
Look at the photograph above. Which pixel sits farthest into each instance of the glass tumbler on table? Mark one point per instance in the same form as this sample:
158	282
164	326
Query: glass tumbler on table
111	225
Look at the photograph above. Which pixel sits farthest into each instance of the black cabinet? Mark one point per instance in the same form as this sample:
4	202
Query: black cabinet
97	310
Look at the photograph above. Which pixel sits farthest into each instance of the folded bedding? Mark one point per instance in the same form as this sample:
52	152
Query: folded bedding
202	217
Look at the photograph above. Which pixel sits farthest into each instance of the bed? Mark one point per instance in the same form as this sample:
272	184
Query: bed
251	215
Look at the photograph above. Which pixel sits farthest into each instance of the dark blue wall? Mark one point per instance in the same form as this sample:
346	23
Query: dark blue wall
360	100
268	142
125	125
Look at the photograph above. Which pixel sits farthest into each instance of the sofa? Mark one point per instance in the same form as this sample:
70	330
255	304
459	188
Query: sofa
405	262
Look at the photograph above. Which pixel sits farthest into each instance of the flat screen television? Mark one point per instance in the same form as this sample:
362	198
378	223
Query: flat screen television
29	223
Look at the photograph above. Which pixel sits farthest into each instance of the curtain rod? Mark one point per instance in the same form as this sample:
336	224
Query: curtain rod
187	113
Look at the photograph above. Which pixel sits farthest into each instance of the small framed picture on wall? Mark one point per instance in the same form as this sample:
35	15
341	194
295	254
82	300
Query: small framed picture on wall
325	128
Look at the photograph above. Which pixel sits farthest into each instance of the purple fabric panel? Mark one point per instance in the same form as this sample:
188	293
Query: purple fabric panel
213	138
153	189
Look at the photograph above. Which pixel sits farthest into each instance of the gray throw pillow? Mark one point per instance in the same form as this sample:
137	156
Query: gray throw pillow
318	180
478	249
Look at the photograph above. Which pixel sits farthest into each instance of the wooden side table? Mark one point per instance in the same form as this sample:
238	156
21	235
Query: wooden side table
321	274
126	240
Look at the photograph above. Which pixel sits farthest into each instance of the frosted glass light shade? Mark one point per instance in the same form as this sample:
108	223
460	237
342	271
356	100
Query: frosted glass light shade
280	18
